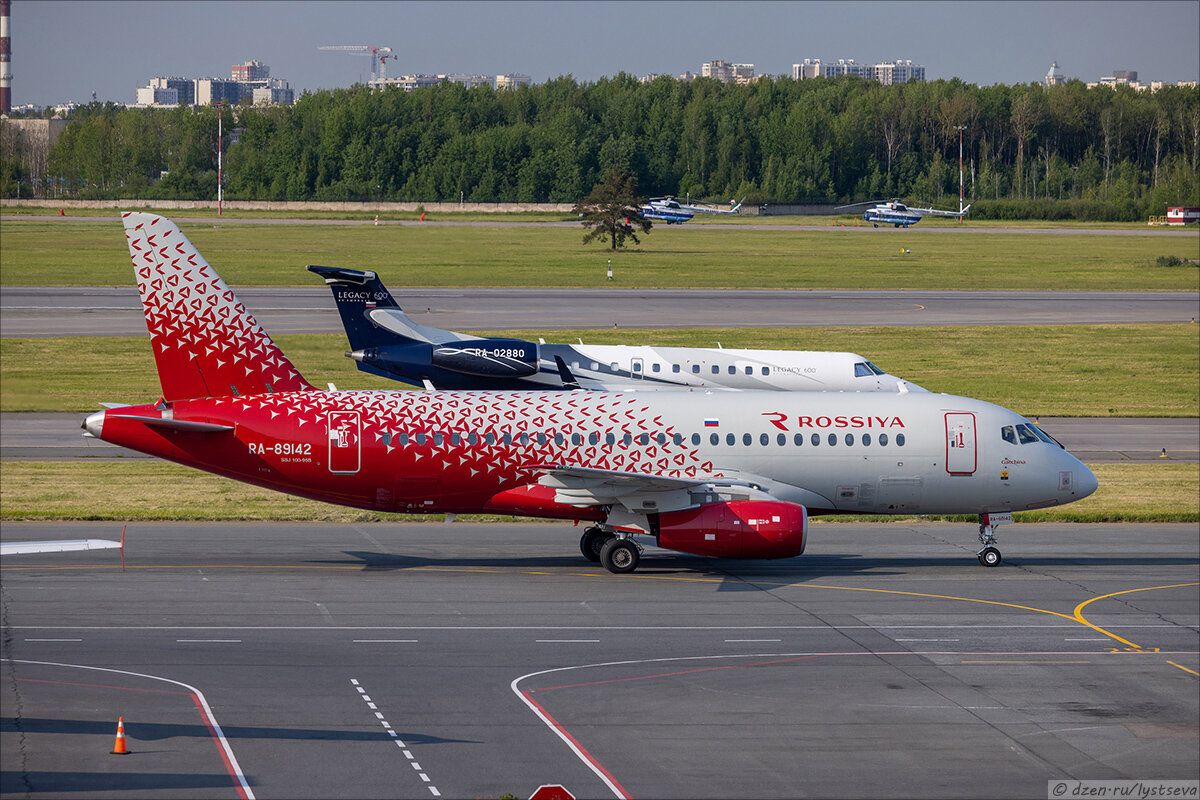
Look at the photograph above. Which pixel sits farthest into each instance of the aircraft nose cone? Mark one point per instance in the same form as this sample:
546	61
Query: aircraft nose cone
94	424
1087	482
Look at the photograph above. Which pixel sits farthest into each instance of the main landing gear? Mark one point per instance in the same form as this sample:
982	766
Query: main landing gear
617	554
989	556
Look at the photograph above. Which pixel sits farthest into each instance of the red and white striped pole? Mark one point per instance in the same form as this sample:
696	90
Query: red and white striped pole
220	107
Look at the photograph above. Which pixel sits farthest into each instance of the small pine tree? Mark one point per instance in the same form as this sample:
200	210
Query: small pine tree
613	210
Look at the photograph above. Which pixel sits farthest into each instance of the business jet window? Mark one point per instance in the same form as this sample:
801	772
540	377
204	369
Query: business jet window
749	370
674	368
1025	432
766	370
695	369
883	440
716	370
732	370
613	367
899	440
866	439
575	365
714	438
595	366
1008	434
656	367
816	439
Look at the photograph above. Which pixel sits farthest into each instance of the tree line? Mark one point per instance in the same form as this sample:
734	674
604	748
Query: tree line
1029	150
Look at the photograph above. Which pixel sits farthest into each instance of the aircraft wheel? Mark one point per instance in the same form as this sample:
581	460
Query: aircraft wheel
989	557
592	542
619	556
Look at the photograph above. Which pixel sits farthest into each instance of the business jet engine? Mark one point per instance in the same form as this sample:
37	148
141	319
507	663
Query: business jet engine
487	358
735	529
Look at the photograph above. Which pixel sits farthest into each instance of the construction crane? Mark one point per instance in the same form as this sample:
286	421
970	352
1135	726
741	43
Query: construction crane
378	55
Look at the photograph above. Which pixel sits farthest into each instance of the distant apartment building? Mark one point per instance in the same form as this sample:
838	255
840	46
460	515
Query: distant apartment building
251	80
250	71
885	72
512	80
1129	77
469	81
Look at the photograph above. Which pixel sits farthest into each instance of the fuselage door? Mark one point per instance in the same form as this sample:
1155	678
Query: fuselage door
960	443
636	367
345	442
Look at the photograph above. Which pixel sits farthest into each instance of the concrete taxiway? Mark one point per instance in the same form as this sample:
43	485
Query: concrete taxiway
422	661
34	311
55	436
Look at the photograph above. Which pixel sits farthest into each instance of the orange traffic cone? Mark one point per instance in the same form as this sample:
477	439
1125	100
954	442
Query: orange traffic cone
119	746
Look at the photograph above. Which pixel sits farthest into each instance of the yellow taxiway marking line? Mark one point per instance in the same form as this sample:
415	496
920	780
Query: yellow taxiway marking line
1182	667
1079	608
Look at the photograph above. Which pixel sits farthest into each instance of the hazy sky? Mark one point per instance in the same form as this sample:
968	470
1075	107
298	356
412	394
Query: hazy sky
63	51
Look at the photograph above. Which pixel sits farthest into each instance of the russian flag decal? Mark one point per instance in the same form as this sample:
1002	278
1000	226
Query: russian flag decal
712	422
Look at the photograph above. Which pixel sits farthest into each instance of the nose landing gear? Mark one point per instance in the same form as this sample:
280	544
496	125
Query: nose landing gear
989	556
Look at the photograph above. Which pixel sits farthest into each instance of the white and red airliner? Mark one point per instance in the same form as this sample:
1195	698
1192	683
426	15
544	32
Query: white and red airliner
726	474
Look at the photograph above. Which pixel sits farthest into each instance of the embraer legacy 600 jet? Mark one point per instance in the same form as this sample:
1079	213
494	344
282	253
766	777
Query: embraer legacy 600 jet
386	341
727	474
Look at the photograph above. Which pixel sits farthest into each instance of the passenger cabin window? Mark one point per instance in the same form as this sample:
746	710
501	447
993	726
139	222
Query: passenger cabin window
695	438
764	439
593	438
816	439
491	438
613	367
1008	434
883	440
746	439
866	439
386	438
729	439
749	370
455	438
610	439
656	367
662	438
766	370
716	370
899	440
472	438
674	368
402	438
437	438
695	369
595	366
714	438
799	440
732	370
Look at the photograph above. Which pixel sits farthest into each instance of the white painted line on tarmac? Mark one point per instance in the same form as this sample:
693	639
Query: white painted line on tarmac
399	742
929	640
209	641
385	641
54	640
753	640
568	641
210	720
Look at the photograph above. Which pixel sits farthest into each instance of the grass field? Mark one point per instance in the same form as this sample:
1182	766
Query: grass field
156	490
52	252
1060	370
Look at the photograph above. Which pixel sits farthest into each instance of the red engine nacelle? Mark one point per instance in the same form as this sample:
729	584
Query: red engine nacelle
740	529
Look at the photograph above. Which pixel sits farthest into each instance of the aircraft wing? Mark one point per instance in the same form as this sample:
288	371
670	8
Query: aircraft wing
637	492
59	546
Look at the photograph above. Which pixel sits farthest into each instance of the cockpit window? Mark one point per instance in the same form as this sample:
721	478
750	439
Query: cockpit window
861	370
1025	431
875	369
1008	434
1045	437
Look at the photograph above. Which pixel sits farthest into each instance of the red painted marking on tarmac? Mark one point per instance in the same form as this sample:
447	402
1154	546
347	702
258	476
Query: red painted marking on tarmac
91	685
237	779
674	674
579	747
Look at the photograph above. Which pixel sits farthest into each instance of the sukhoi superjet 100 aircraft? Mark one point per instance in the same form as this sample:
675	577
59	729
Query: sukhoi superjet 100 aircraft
386	341
727	474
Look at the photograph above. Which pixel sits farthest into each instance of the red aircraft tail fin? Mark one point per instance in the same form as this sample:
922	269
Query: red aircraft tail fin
206	344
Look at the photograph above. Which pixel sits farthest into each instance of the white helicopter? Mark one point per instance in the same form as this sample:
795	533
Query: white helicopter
893	212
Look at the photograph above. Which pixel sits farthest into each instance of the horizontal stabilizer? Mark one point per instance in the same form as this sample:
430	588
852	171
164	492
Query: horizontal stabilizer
396	321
